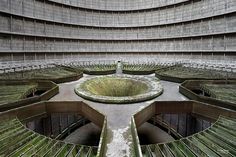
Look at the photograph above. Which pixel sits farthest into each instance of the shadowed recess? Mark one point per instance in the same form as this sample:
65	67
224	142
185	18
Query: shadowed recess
116	87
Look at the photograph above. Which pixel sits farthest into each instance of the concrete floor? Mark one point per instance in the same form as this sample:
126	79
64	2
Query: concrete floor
118	116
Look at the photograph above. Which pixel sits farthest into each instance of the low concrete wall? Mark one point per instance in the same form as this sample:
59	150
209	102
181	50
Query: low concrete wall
168	78
103	72
53	89
132	72
187	87
50	87
136	143
103	140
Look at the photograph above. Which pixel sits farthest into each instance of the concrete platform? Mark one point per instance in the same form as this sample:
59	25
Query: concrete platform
119	116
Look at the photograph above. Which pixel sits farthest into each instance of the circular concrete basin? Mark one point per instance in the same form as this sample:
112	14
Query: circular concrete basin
119	89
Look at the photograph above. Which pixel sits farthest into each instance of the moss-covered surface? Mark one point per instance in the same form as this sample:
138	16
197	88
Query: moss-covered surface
97	69
12	93
224	92
218	140
17	140
53	74
180	74
115	87
140	69
184	72
119	89
215	92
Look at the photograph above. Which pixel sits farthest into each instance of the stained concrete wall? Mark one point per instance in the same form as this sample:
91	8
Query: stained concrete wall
144	57
57	124
120	5
43	26
185	124
189	11
199	28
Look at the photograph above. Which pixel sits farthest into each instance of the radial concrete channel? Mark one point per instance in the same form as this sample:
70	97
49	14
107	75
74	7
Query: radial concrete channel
119	141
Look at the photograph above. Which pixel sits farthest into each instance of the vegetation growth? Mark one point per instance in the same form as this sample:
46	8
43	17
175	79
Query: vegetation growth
47	73
224	92
119	89
141	69
218	140
115	87
12	93
97	68
194	73
17	140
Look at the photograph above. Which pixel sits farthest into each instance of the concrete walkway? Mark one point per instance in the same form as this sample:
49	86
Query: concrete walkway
118	116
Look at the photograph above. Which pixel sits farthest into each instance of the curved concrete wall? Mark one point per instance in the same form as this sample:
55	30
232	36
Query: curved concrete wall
222	25
117	26
193	10
121	5
32	44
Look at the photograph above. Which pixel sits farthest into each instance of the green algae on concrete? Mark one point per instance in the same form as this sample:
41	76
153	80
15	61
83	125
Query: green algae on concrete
12	93
97	69
140	69
17	140
217	140
52	73
119	89
224	92
180	73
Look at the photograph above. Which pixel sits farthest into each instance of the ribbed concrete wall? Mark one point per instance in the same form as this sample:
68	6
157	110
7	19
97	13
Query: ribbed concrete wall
177	26
121	5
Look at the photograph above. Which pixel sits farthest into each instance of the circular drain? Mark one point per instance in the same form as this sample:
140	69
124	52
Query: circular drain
119	89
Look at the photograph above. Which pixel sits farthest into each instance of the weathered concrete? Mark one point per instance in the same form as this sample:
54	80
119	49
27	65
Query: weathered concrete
118	116
119	89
